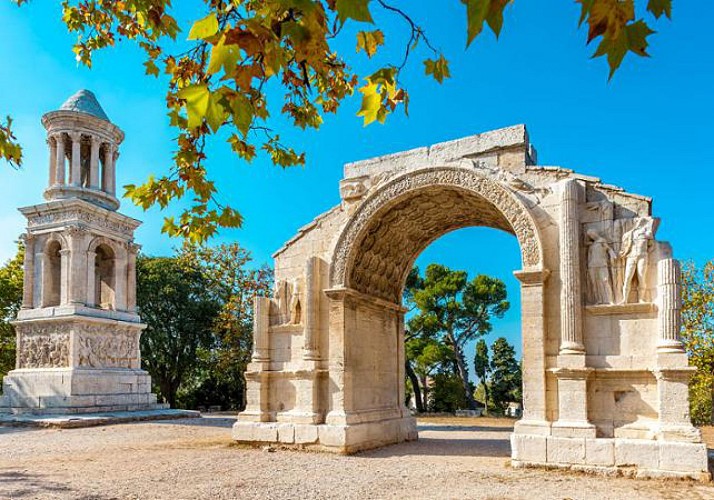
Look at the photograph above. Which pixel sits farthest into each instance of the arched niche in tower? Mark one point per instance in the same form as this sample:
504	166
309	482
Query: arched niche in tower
52	274
105	277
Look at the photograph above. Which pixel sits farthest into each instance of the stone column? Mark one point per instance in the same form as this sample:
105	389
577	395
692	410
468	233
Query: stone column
571	337
341	387
65	255
668	284
91	279
28	285
570	371
52	142
109	173
131	277
311	310
75	172
261	321
60	161
77	266
38	293
94	181
120	280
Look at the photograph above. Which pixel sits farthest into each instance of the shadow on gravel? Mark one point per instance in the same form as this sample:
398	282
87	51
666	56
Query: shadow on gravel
15	484
435	446
13	429
461	428
225	422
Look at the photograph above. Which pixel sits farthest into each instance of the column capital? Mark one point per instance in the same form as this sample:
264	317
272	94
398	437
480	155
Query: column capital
76	231
75	136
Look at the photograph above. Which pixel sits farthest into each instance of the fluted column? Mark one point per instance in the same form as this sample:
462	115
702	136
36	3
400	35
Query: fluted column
28	286
94	181
52	143
571	339
261	321
312	297
109	170
59	159
120	281
668	284
92	279
65	255
77	275
75	172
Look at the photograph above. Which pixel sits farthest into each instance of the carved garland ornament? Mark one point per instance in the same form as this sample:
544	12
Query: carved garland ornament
517	216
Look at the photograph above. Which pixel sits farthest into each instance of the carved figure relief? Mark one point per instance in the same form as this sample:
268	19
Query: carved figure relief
601	257
287	303
636	245
295	302
353	189
44	351
116	350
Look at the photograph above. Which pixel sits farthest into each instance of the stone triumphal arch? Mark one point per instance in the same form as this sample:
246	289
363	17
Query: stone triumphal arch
605	375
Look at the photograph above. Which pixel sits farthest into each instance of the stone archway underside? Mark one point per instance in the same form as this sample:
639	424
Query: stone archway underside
389	246
393	226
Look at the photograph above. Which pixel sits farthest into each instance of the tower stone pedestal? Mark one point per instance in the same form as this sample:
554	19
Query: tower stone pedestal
78	331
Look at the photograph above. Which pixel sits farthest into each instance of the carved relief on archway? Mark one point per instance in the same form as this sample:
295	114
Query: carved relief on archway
397	222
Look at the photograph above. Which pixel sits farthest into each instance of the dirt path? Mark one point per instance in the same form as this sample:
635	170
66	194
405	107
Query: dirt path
196	459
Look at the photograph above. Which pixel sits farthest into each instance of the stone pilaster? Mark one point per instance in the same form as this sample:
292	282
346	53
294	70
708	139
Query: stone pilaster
533	328
312	309
570	291
133	250
261	322
28	285
77	265
65	259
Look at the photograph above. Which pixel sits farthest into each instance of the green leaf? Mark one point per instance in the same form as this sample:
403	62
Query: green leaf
223	56
197	99
204	28
216	114
480	11
151	68
242	111
633	38
353	9
369	41
438	68
659	7
371	103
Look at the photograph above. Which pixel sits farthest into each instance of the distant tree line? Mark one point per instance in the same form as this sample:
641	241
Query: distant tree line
198	308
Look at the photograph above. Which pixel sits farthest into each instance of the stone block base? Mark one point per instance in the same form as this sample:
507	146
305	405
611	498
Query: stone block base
78	390
629	457
335	438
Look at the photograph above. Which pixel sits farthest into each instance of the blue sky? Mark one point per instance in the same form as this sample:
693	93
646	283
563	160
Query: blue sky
649	130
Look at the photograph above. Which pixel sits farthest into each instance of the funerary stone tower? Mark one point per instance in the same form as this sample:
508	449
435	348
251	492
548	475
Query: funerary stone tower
78	330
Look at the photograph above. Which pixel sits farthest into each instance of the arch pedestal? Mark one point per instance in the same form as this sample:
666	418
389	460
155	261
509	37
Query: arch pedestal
604	373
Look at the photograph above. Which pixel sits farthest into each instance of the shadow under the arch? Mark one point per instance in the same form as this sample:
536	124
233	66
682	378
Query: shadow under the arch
451	440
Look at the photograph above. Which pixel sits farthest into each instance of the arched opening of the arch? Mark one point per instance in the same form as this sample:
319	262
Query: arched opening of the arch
477	251
371	316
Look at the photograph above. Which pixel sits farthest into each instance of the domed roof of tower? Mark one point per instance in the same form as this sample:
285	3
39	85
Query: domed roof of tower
85	101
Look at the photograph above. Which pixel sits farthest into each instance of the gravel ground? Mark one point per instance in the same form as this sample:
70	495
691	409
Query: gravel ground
196	459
